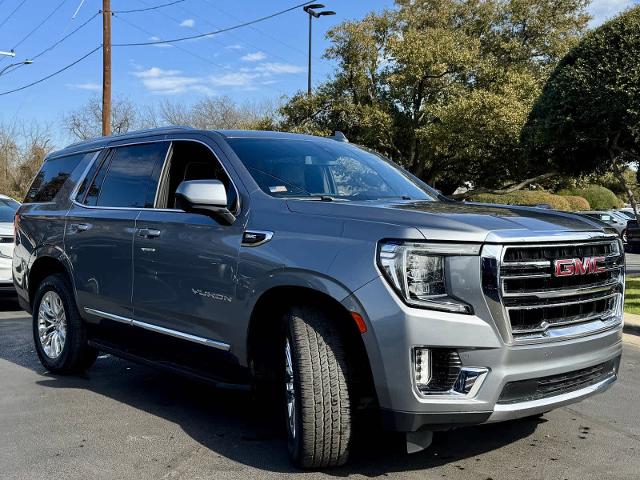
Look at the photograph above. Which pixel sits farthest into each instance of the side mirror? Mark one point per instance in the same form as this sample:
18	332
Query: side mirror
208	197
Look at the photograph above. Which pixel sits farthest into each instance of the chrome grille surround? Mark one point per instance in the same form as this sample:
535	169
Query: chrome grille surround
532	305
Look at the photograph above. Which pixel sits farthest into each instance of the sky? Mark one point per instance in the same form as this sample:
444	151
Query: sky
251	64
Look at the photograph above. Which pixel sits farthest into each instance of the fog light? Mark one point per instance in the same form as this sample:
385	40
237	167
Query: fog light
422	366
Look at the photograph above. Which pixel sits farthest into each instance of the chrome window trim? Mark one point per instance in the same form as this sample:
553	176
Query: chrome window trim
163	330
85	172
171	141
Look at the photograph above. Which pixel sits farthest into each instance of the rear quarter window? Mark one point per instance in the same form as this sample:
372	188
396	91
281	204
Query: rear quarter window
51	177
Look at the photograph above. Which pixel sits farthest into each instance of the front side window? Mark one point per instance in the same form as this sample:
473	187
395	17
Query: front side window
52	175
308	168
128	177
186	161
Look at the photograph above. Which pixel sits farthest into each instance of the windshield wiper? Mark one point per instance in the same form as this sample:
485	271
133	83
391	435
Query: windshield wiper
317	198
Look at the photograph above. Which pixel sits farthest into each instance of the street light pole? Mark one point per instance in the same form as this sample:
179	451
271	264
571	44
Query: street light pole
8	54
310	9
309	65
26	62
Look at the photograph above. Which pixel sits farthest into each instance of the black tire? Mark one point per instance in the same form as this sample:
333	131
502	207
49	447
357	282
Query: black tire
321	386
75	355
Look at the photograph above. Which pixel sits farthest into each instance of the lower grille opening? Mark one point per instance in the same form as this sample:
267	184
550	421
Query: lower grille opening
545	387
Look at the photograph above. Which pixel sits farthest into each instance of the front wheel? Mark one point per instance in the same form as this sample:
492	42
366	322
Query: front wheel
317	391
58	331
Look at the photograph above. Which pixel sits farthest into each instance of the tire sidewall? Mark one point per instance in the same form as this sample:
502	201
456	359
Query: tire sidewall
58	285
294	444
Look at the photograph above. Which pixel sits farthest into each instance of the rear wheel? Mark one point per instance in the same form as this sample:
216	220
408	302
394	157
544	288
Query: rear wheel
58	331
317	390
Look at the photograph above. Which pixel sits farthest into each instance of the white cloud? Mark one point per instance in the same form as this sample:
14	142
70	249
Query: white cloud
171	82
94	87
602	10
159	45
270	68
188	23
236	79
254	57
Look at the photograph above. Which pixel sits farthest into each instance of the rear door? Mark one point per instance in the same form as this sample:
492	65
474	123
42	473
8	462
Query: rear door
101	224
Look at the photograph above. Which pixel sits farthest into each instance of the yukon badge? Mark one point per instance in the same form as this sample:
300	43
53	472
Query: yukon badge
578	266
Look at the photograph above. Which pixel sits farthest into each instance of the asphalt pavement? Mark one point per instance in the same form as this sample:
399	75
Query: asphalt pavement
124	421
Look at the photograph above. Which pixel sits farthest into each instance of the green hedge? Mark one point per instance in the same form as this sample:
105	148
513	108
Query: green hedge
526	197
577	203
599	198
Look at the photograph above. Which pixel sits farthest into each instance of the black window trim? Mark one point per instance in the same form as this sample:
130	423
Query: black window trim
109	151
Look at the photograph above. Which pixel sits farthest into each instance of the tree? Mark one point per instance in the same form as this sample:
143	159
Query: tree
442	86
211	113
86	121
587	119
22	151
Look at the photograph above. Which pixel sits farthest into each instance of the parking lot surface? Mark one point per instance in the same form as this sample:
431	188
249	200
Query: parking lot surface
125	421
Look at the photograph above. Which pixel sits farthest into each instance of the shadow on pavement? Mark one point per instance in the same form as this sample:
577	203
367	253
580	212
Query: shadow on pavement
229	424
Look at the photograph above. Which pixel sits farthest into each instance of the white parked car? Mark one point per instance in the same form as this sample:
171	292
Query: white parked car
8	207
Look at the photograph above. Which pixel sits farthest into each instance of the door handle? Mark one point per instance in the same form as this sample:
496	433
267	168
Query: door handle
148	233
79	227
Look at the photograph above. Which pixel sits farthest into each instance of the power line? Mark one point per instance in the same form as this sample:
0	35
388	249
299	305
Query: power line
40	24
261	32
165	14
57	72
143	30
241	40
222	30
11	14
148	8
179	47
51	47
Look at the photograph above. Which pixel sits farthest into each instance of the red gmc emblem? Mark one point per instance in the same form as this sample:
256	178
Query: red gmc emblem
578	266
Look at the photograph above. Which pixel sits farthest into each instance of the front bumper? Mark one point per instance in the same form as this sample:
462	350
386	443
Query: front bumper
395	329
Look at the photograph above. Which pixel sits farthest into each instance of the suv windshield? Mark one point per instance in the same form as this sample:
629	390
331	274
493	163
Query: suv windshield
326	168
8	209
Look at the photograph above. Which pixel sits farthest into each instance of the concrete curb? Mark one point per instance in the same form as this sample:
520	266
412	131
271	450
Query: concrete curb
631	323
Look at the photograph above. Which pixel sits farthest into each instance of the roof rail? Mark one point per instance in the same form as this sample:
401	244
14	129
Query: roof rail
133	133
338	136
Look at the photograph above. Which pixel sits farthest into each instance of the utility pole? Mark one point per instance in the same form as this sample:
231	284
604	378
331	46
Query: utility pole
106	67
313	14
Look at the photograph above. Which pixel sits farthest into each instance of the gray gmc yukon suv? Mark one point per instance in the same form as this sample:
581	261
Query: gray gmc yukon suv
318	273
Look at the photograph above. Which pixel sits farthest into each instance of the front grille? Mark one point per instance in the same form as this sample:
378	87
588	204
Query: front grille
6	239
539	304
545	387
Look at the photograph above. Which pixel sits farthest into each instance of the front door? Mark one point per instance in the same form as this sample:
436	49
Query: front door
185	264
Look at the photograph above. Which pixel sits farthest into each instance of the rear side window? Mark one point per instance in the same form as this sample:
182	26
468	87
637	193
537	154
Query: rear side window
52	175
128	177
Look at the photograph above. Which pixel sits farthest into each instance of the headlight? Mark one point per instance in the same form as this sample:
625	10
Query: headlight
417	271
